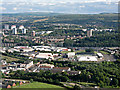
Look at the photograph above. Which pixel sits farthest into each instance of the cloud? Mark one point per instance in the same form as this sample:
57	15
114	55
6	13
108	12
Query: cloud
57	6
2	8
58	1
15	8
31	9
82	6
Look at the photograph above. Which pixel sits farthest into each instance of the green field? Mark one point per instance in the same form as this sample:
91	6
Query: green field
9	59
104	52
39	85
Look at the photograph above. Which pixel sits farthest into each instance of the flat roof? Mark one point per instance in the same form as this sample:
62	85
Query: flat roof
87	58
99	54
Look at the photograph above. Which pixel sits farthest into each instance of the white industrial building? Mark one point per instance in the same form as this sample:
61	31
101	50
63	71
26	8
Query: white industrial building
27	49
42	48
99	55
45	56
48	32
86	58
71	54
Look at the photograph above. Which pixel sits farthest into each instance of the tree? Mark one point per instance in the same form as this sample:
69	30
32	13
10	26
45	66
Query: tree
89	50
115	82
31	80
56	81
101	84
68	43
76	87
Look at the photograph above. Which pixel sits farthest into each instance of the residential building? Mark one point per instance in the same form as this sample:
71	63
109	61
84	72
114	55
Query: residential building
13	26
6	26
33	33
21	27
24	31
14	31
28	64
89	32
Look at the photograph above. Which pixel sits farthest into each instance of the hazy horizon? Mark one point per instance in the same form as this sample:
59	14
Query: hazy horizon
60	6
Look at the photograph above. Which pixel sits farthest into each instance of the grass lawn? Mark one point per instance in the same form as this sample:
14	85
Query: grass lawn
103	52
39	85
64	52
9	59
95	52
80	51
87	84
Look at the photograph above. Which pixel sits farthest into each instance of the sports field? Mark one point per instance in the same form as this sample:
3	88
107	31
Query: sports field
38	85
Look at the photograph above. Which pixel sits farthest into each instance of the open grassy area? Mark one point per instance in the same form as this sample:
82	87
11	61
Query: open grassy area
9	59
103	52
85	83
64	52
39	85
80	51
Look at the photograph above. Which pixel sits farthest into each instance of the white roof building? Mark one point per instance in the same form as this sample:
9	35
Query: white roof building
100	55
21	47
45	56
87	58
71	54
27	49
13	26
21	27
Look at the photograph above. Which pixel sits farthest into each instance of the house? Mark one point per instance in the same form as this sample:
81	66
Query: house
28	64
33	68
45	68
3	62
20	83
45	64
13	84
56	71
8	86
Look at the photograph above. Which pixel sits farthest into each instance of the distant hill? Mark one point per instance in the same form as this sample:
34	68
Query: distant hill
32	14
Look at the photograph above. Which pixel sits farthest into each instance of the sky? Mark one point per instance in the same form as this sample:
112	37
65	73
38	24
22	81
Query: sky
47	1
60	6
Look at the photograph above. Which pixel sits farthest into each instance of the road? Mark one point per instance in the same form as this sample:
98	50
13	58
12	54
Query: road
109	57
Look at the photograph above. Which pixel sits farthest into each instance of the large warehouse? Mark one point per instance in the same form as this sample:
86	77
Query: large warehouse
86	58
